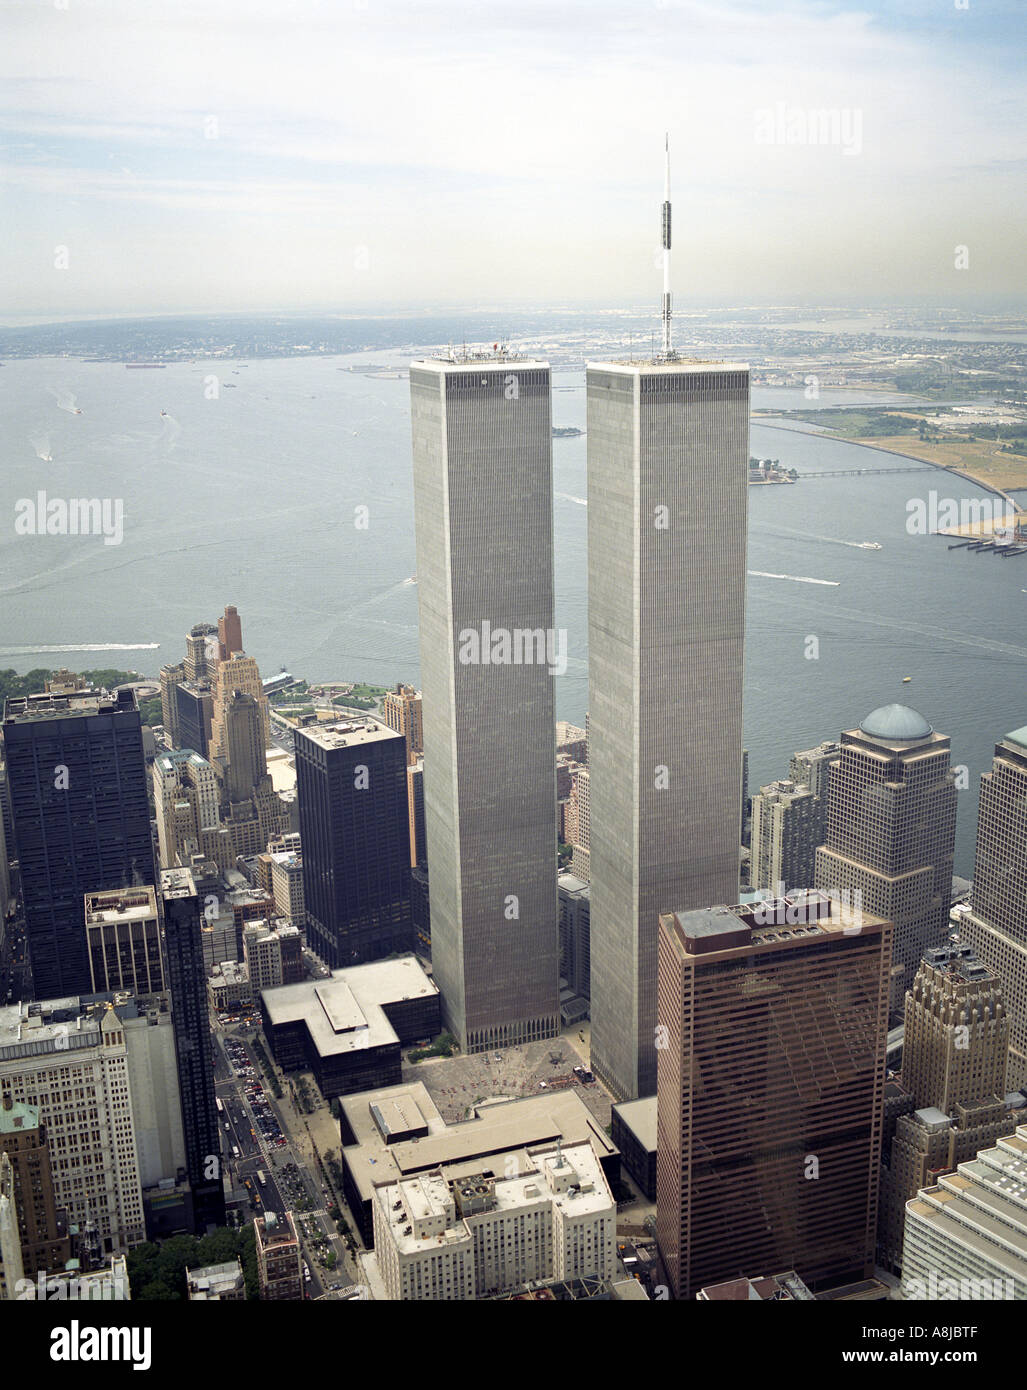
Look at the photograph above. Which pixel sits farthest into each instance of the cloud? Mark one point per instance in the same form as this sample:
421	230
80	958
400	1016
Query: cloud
466	130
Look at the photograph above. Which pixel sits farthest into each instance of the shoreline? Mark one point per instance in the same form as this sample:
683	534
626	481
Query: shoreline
898	453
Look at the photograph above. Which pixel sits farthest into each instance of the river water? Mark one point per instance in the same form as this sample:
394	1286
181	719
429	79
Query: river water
246	492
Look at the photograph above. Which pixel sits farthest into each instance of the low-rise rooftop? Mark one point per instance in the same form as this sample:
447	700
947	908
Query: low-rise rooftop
121	905
214	1282
177	883
438	1208
67	704
346	1012
640	1118
788	921
500	1128
33	1028
347	733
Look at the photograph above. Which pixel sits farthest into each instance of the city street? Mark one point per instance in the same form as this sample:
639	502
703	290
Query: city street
254	1124
15	970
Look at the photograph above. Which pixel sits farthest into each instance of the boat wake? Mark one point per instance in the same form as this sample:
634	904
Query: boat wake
827	540
41	444
566	497
65	400
83	647
795	578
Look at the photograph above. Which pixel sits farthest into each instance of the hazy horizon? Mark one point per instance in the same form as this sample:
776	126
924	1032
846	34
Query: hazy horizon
979	307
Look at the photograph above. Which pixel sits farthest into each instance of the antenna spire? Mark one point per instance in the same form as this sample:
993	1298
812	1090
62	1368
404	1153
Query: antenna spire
668	348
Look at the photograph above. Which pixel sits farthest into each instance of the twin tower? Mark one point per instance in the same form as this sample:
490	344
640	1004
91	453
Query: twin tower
667	511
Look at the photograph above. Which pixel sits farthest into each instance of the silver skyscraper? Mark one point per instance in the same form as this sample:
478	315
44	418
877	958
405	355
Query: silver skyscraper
667	520
482	445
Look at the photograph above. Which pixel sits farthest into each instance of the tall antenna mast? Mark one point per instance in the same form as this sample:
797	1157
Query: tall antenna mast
668	349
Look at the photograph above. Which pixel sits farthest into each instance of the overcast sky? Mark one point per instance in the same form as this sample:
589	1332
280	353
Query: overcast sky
363	155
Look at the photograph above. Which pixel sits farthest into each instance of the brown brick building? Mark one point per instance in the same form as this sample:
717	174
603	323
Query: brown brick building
43	1229
278	1257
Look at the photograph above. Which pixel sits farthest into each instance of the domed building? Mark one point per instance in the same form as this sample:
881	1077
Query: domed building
891	827
896	724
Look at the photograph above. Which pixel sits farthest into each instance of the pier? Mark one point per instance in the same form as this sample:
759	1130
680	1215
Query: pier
865	472
1006	549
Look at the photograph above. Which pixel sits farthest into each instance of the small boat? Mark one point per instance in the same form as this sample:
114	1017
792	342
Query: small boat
164	415
906	678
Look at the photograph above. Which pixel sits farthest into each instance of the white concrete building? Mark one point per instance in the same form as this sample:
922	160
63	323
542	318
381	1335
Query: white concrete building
223	1283
74	1065
104	1078
109	1284
228	986
265	945
966	1237
287	887
154	1087
469	1230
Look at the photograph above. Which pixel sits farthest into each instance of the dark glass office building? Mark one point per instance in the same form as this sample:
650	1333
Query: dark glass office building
183	964
194	703
77	779
351	785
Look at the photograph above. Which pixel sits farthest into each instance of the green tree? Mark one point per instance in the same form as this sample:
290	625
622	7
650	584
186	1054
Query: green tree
157	1291
151	711
109	677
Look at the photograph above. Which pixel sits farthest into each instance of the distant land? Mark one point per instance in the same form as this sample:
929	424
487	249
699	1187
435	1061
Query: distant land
930	354
985	443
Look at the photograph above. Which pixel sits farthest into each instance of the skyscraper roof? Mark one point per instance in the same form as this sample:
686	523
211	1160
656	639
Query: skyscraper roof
1018	736
897	724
